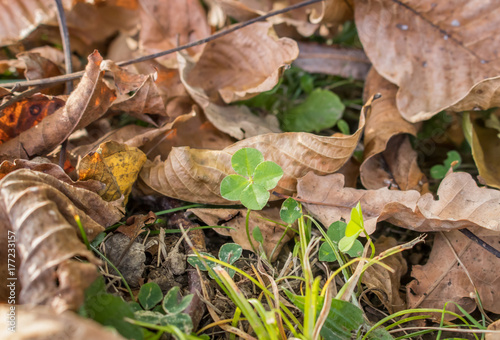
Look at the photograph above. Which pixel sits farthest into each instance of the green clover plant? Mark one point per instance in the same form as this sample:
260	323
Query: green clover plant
255	177
228	253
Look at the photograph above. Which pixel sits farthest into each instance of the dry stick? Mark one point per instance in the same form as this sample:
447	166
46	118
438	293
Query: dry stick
63	28
76	75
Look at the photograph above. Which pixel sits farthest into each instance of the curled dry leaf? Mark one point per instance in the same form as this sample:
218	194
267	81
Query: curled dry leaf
40	210
195	175
39	67
18	20
168	24
40	322
441	55
132	135
389	160
235	218
87	102
236	121
242	64
443	278
333	60
114	164
382	282
333	12
243	10
25	114
485	149
461	204
145	101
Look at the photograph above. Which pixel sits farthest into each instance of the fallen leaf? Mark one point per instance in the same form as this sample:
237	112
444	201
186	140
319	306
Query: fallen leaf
25	114
382	282
39	67
114	164
333	12
485	148
243	10
166	25
461	204
40	322
443	278
389	160
138	95
441	55
333	60
237	121
237	67
195	175
235	218
87	102
41	211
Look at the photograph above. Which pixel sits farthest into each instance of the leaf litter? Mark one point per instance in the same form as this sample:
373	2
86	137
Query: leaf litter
174	123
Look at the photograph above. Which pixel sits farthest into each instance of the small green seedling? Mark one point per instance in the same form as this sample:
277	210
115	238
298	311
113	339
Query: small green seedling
352	230
229	253
254	180
158	310
335	233
290	211
439	171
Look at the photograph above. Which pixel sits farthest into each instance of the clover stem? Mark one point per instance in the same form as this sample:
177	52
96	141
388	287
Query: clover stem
247	227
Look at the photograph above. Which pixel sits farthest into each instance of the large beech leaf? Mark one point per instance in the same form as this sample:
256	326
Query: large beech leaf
40	322
88	102
440	54
40	210
195	175
443	278
389	160
461	204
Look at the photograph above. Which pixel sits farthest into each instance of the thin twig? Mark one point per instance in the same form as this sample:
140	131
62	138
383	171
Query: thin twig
76	75
63	28
480	242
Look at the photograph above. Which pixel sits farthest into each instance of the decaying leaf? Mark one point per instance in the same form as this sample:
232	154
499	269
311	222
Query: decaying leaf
334	60
235	218
440	54
87	102
242	64
444	279
39	67
485	149
114	164
389	160
40	322
25	114
461	204
333	12
195	175
165	25
40	210
382	282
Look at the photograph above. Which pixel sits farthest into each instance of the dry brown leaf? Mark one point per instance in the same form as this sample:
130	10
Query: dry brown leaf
132	135
242	64
38	67
443	279
495	326
40	322
235	218
168	24
236	121
114	164
41	210
18	20
87	102
333	60
389	160
382	282
145	101
461	204
485	149
243	10
440	54
25	114
195	175
333	12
